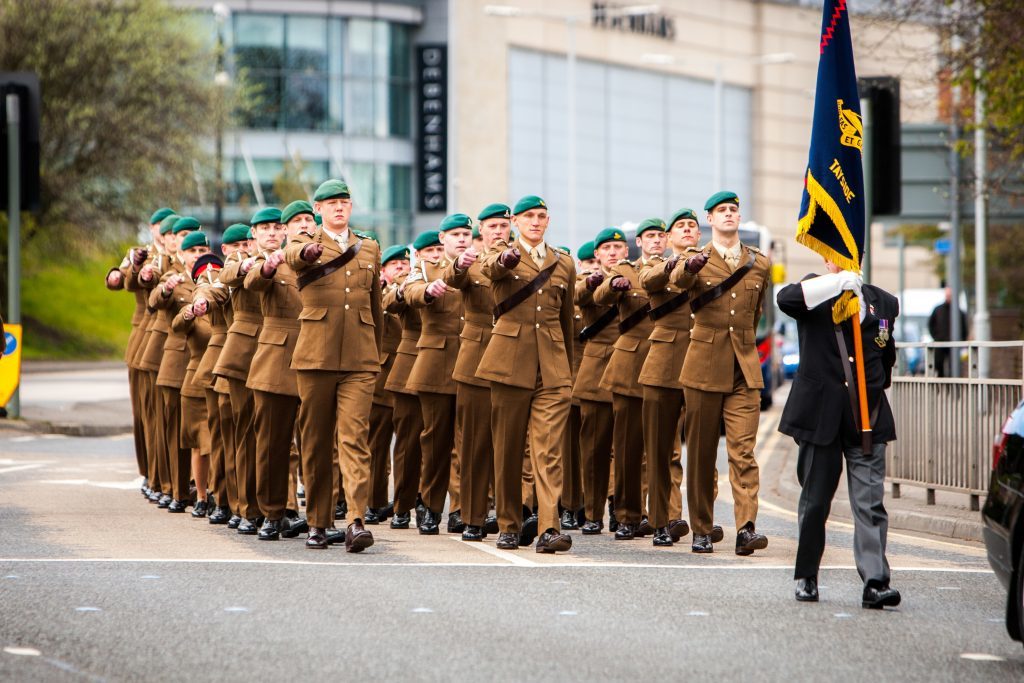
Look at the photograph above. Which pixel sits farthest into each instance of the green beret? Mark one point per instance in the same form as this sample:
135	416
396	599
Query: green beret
426	239
456	220
681	214
249	235
270	214
586	251
167	223
186	223
318	219
476	231
721	198
495	211
650	224
609	235
195	239
330	189
528	202
235	233
397	252
160	214
296	208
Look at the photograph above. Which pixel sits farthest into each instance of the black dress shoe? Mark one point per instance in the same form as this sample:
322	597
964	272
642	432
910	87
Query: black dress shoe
248	527
317	539
508	540
177	506
357	538
400	521
677	528
165	501
877	597
270	531
473	533
430	526
702	544
553	542
529	531
807	589
234	522
592	528
613	523
155	496
644	528
291	527
455	523
340	510
334	535
717	535
568	521
748	540
220	515
625	532
370	516
200	509
662	537
491	524
421	511
386	512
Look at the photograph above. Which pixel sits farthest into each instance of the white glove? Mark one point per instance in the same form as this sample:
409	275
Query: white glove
851	282
818	290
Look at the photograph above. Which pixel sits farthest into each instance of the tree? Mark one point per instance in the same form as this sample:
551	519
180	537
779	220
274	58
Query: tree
127	99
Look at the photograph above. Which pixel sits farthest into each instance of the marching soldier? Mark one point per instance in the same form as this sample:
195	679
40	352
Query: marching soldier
622	289
529	364
408	416
431	376
337	357
570	501
473	395
596	420
721	374
662	391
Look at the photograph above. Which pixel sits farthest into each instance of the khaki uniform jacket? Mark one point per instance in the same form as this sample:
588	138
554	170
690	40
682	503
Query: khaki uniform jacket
342	318
141	304
175	357
478	316
630	350
534	337
723	332
405	356
438	347
671	334
281	305
197	333
217	296
151	348
388	351
596	351
246	321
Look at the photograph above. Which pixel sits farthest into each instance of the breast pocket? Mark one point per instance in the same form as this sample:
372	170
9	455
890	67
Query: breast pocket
753	293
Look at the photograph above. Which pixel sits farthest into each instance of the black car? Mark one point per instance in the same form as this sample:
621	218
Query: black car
1003	515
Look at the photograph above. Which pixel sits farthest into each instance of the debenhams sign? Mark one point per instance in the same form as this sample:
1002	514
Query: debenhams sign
608	15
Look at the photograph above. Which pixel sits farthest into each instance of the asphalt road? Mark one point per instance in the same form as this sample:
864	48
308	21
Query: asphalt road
96	584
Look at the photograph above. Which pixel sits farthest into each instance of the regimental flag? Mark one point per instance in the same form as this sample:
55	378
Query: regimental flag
832	209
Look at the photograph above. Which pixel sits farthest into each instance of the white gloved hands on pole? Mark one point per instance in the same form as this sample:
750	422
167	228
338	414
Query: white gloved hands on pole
818	290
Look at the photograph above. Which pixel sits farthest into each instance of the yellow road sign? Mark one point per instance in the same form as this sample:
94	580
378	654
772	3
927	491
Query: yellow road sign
10	363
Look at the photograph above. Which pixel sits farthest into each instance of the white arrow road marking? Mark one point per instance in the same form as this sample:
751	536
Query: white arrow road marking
19	468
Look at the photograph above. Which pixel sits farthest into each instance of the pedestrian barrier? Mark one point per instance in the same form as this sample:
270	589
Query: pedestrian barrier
946	425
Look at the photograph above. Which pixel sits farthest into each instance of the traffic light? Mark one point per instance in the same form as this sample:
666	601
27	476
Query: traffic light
883	92
26	86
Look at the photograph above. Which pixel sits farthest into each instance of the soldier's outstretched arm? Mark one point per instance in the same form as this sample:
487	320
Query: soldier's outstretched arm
453	277
655	277
491	262
293	252
681	276
415	290
604	294
392	301
255	280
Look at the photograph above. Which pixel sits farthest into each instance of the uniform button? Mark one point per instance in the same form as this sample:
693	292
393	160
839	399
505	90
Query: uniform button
709	282
540	291
462	317
538	308
730	329
693	316
758	285
851	359
537	326
734	295
846	384
476	282
732	312
346	308
515	277
347	289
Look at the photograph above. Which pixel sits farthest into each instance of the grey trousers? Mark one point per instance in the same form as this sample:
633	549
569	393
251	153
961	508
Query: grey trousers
818	469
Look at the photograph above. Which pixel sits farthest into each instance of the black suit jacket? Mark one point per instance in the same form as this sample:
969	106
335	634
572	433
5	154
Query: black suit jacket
819	408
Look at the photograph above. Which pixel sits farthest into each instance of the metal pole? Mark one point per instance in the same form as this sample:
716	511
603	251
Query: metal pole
570	74
14	227
901	242
982	330
719	129
953	261
868	158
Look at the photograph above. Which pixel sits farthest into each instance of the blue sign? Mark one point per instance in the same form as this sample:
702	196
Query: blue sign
942	246
10	343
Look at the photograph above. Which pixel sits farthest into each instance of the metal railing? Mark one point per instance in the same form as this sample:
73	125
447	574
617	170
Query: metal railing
945	426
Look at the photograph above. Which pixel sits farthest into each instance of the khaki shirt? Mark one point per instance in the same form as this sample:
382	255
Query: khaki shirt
630	349
596	350
405	356
478	319
670	336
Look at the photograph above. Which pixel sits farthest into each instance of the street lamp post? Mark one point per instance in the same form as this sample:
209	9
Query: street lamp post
221	79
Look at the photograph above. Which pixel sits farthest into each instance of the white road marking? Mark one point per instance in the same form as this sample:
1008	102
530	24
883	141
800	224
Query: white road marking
510	556
22	651
11	576
88	609
53	437
696	613
842	615
23	439
982	657
421	610
19	468
948	588
122	485
149	576
567	613
236	609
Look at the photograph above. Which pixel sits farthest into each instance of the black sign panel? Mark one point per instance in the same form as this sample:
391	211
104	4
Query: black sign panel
432	84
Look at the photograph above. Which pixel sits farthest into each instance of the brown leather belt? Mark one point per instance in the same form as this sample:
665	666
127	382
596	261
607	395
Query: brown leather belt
310	276
726	284
521	295
634	318
595	328
669	306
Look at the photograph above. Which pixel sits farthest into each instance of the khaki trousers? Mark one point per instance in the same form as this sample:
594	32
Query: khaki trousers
152	404
382	428
408	420
227	430
596	454
661	412
705	411
218	485
139	415
542	413
180	459
335	403
572	462
275	427
628	447
476	452
243	410
437	443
